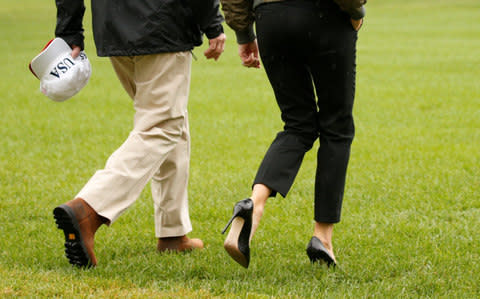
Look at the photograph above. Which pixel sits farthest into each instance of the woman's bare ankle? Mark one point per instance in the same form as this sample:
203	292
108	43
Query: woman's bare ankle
259	197
324	231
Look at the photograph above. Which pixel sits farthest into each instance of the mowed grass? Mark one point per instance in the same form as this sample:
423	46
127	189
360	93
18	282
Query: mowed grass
410	221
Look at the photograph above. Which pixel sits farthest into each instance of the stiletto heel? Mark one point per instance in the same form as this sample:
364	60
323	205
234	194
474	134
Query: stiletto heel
237	243
316	251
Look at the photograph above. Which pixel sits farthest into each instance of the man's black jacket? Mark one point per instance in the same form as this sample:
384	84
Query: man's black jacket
140	27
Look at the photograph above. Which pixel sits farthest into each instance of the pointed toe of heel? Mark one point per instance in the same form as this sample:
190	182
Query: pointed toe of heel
317	252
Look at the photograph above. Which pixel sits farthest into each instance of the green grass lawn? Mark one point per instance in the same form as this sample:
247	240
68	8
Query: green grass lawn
410	222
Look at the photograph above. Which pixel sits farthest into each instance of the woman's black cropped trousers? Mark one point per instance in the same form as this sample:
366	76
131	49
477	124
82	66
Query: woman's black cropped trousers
308	49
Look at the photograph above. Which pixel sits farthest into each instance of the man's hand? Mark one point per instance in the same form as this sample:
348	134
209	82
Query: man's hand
356	24
75	51
249	54
217	45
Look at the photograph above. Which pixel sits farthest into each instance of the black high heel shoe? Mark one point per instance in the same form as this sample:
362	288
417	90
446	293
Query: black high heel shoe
316	251
237	243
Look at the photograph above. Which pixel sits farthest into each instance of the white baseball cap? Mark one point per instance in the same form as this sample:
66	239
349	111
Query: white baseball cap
61	76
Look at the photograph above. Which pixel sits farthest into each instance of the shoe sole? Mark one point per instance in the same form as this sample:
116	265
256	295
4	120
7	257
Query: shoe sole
75	249
231	242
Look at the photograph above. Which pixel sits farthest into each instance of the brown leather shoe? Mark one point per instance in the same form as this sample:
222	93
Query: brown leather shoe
178	244
79	223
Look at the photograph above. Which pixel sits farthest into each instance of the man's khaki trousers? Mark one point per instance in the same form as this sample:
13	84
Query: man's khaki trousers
158	147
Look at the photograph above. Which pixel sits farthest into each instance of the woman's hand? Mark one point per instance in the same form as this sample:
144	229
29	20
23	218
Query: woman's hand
249	54
357	24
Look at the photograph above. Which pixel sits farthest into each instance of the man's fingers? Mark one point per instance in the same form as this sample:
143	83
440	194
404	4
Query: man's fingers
216	47
220	46
208	53
213	52
75	51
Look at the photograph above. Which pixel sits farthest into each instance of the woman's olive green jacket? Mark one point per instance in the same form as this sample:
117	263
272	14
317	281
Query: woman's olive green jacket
240	17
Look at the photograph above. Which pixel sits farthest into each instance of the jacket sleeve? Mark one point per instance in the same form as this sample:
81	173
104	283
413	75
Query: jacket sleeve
69	21
355	8
207	15
240	17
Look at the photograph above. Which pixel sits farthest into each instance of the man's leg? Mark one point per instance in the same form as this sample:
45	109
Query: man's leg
159	86
160	97
170	196
169	192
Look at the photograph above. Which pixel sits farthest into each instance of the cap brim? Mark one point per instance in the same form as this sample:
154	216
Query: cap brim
54	48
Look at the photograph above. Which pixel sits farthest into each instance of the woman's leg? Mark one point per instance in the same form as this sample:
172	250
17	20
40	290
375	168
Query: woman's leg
281	49
321	48
324	231
333	73
260	194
